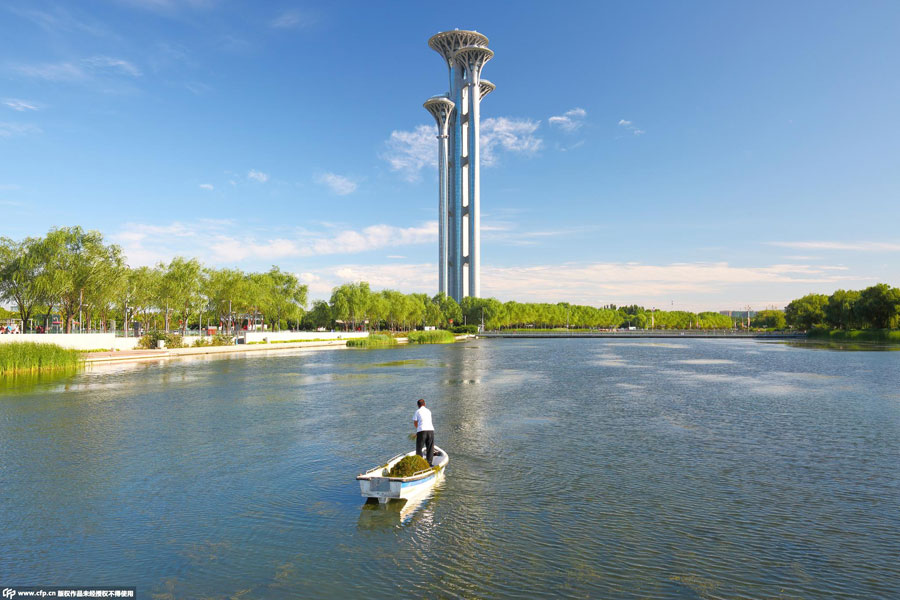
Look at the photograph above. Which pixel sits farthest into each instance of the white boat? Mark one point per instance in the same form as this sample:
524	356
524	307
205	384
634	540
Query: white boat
376	483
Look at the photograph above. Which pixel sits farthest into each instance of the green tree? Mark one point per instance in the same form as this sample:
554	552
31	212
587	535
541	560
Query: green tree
21	266
285	297
450	311
879	305
181	285
319	316
78	261
841	309
769	319
806	312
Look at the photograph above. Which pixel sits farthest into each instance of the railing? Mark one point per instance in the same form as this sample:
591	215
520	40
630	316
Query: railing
648	333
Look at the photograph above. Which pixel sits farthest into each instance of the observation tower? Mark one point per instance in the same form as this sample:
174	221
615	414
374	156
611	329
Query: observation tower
459	157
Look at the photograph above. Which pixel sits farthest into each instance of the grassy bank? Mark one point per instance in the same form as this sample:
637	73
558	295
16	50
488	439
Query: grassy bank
857	335
437	336
24	357
375	340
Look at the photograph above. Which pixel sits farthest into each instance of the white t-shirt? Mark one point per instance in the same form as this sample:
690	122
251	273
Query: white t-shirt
423	418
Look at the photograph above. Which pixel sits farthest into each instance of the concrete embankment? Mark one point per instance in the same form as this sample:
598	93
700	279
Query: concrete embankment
147	355
140	355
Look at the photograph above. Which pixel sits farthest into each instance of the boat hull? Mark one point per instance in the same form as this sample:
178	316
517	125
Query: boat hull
376	484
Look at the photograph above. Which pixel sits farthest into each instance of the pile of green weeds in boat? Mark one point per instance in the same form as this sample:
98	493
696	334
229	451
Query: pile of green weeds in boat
408	465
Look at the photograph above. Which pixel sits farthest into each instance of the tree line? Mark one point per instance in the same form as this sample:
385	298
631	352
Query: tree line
73	273
876	307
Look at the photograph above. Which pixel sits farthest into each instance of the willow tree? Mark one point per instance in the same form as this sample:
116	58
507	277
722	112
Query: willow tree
77	261
20	270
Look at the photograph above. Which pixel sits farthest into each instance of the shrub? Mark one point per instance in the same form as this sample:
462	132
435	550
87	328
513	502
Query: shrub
221	339
408	465
149	340
31	356
465	329
438	336
375	340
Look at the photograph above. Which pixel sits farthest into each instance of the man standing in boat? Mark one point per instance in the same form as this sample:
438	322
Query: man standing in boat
424	432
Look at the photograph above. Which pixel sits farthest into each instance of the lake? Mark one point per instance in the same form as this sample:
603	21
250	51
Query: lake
581	468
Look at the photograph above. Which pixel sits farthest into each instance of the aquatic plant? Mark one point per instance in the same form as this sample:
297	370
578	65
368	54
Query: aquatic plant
22	357
408	465
436	336
375	340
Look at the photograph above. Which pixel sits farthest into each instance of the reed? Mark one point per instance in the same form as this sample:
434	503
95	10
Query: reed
436	336
857	335
24	357
375	340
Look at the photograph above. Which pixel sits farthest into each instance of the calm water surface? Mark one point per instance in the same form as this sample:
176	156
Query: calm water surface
579	468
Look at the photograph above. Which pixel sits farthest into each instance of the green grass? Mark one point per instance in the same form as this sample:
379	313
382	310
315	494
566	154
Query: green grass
375	340
24	357
857	335
437	336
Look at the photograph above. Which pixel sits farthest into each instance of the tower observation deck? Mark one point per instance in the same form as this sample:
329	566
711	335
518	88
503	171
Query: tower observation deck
457	114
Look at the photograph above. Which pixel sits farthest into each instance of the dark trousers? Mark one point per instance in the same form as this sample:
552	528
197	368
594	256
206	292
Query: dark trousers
425	441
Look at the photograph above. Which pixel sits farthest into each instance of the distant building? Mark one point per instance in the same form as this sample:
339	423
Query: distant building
739	314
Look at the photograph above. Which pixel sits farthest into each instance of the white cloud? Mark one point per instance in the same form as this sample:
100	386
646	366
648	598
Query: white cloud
513	135
631	127
408	152
711	286
291	19
372	238
338	184
851	246
257	176
206	186
570	121
82	70
600	283
19	105
63	71
222	241
230	250
12	129
101	63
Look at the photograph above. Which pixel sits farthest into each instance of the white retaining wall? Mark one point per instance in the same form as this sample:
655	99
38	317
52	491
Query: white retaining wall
284	336
76	341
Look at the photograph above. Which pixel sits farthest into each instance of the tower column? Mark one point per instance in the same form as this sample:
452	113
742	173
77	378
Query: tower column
474	191
456	187
441	108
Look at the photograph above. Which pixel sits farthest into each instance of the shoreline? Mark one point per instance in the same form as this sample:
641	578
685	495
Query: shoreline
105	357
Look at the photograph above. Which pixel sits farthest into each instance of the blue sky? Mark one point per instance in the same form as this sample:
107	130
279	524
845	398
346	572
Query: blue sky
690	155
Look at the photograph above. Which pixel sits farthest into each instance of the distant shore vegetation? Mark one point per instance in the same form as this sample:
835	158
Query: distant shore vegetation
876	308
